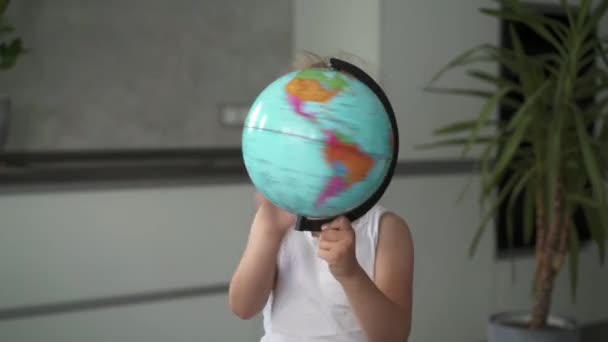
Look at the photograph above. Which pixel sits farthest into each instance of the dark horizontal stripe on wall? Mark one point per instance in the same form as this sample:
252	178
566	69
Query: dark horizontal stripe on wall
443	167
77	170
34	311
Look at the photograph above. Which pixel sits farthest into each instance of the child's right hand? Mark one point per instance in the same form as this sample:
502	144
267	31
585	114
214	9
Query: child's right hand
271	217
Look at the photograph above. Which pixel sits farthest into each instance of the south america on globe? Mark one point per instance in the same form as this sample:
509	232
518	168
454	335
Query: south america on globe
317	142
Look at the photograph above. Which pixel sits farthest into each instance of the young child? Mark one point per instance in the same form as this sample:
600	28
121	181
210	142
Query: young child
350	282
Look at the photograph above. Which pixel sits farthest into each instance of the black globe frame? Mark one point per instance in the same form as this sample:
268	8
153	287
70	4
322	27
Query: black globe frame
307	224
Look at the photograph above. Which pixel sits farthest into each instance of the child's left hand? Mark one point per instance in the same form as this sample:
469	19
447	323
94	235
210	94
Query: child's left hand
337	247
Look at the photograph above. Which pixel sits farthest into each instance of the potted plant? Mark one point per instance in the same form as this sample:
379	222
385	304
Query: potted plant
553	149
11	48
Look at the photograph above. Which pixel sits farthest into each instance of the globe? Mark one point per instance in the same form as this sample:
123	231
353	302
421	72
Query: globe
317	142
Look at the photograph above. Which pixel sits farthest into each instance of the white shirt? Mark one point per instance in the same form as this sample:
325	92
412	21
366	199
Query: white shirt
307	303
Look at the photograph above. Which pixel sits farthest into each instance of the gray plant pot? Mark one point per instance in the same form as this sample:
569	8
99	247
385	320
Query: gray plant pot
511	327
5	116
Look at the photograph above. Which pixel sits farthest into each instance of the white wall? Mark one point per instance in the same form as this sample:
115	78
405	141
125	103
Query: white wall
332	27
65	246
71	245
57	247
418	38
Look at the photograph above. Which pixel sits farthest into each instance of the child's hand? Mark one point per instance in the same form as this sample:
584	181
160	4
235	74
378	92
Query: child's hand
272	217
337	247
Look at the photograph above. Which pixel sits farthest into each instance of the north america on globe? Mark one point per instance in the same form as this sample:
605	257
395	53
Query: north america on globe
348	161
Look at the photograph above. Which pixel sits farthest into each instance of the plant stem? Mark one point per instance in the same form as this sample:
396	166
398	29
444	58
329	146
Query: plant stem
550	255
540	236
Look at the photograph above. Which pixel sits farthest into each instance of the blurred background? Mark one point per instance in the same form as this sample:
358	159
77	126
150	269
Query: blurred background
152	262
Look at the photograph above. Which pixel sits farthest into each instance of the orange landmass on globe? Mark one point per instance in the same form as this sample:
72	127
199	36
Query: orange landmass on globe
356	163
306	89
349	163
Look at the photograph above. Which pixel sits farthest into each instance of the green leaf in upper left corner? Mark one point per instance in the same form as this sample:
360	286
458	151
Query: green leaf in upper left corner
3	5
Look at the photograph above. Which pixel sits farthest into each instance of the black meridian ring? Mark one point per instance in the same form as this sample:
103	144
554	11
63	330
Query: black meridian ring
306	224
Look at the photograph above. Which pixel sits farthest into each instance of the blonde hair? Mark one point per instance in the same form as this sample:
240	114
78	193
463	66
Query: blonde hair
307	59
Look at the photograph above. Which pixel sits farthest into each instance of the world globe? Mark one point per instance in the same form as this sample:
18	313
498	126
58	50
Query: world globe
317	142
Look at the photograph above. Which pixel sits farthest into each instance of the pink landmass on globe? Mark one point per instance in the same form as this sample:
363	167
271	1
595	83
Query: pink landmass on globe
298	107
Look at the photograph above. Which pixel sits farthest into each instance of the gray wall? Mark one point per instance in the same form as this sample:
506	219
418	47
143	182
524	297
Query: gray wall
61	247
140	73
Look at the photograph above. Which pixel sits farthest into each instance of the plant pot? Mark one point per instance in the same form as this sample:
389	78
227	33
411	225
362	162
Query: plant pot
5	115
512	327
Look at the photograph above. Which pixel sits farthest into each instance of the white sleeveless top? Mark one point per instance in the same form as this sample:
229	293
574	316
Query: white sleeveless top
308	303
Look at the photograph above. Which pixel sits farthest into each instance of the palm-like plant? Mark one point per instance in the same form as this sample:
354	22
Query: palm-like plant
555	150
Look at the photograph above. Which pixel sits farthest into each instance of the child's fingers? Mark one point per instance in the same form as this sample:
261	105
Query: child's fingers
325	245
341	223
335	224
326	255
332	235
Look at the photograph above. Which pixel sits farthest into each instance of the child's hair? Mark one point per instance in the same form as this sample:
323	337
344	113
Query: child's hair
307	59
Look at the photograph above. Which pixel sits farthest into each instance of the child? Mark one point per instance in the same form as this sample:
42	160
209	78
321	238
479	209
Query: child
350	282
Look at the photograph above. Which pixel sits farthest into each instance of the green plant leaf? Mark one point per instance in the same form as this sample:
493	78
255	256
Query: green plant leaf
485	53
592	169
480	164
506	155
601	51
461	126
582	200
490	213
530	102
485	160
557	143
4	28
566	8
456	142
534	22
586	53
460	91
590	84
583	13
525	72
485	94
596	230
519	123
590	207
597	109
3	6
549	62
488	77
464	58
521	184
9	53
598	12
514	62
492	79
484	117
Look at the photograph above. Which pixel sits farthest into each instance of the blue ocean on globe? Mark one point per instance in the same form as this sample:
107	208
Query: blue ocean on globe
317	142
